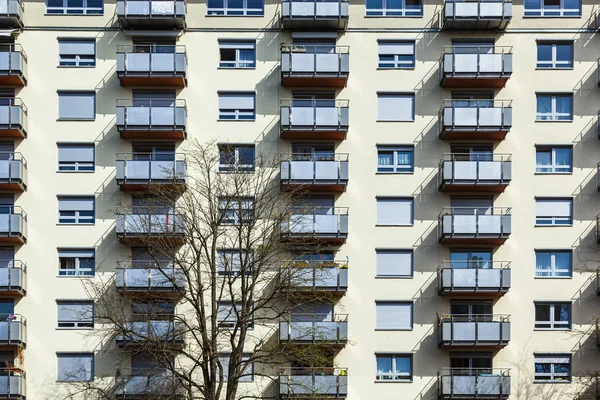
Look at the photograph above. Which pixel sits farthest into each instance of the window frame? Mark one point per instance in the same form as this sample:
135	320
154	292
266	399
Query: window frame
395	276
64	10
236	166
229	324
75	354
237	63
554	63
77	271
553	115
396	63
552	374
547	12
76	58
224	272
396	302
75	324
236	220
245	11
399	95
395	198
384	11
396	168
395	374
77	218
553	166
550	220
553	270
244	377
73	93
78	166
553	324
237	114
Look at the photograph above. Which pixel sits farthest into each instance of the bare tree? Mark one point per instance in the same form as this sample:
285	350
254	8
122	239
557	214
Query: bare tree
199	303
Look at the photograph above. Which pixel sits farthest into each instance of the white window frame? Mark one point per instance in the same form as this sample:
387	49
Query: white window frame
555	169
77	218
395	251
395	376
235	12
402	200
552	12
553	266
224	272
64	10
397	169
77	166
71	355
230	215
552	374
76	324
236	166
238	112
398	303
556	64
398	95
232	321
551	219
76	58
553	114
244	375
393	12
554	325
396	63
237	63
78	271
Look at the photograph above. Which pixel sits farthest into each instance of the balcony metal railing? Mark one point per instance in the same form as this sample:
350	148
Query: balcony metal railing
13	168
150	221
329	61
475	222
314	328
151	8
13	60
149	60
140	275
13	115
13	331
315	221
13	276
151	114
476	114
153	329
475	329
150	168
474	276
315	275
330	382
475	168
483	382
314	9
11	13
12	383
476	61
310	168
314	114
13	222
477	9
136	382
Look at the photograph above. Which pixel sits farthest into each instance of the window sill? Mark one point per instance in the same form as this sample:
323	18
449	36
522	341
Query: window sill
554	226
75	277
553	382
554	120
395	173
75	66
75	119
395	69
236	120
394	277
393	330
551	16
554	69
74	172
406	381
233	16
237	68
380	225
74	329
395	120
553	173
393	16
74	15
552	277
552	330
73	224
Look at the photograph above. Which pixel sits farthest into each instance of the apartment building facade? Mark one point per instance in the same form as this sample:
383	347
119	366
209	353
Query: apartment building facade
450	147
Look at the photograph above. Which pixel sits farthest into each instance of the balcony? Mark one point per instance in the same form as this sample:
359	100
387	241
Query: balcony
323	66
313	14
317	225
13	278
158	66
13	225
296	383
477	14
142	225
475	173
477	278
145	384
306	277
145	277
156	331
315	173
461	225
152	119
151	14
11	14
475	119
314	120
13	65
12	384
308	329
138	172
13	172
13	119
13	333
489	331
475	68
466	383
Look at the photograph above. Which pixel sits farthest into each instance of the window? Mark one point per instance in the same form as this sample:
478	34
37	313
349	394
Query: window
80	262
237	106
395	107
76	157
396	55
234	7
552	368
395	160
394	8
554	107
75	314
227	314
247	372
394	211
394	367
553	316
236	210
237	54
553	160
552	8
238	158
77	52
553	264
75	367
76	210
554	55
76	105
394	263
231	261
75	7
554	211
392	315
